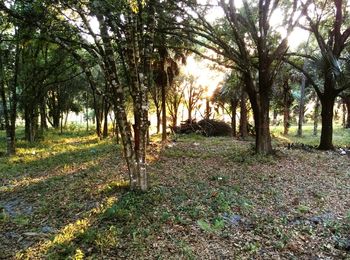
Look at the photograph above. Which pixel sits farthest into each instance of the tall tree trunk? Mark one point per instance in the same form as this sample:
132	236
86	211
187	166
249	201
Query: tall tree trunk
286	120
158	113
207	108
14	99
326	141
260	104
164	121
316	112
10	133
31	123
243	121
233	104
61	122
301	105
347	104
43	116
275	114
262	127
98	114
105	120
190	113
286	107
119	103
174	119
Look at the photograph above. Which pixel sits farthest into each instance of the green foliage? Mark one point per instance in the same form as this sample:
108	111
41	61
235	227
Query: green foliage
303	209
218	225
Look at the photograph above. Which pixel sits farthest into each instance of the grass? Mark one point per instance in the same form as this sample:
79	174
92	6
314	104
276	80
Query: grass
341	136
66	197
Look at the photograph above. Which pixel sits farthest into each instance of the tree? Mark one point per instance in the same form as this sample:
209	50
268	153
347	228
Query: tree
166	69
10	52
174	98
282	94
192	94
346	102
122	48
246	41
229	93
327	22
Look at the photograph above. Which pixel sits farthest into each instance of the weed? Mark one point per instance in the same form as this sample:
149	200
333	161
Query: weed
217	225
302	209
252	247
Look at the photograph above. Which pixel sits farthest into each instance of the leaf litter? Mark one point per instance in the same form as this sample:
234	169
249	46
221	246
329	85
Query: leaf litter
211	198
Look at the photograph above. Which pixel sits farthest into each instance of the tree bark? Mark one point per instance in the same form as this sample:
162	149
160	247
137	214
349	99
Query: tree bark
158	113
301	105
43	116
8	115
316	116
31	123
243	121
262	127
105	120
233	104
164	121
261	106
326	141
98	114
286	107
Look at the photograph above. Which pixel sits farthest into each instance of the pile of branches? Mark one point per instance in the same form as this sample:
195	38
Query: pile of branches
206	127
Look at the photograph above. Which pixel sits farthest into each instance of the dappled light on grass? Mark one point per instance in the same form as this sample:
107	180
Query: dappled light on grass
51	159
209	197
341	136
42	196
64	239
114	186
65	170
49	148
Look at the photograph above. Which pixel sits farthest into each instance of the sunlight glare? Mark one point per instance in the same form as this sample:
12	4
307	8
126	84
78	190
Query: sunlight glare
205	76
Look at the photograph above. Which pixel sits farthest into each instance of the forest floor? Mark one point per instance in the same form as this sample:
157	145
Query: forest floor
211	198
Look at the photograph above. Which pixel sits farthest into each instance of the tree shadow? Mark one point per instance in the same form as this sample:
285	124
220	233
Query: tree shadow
102	230
54	192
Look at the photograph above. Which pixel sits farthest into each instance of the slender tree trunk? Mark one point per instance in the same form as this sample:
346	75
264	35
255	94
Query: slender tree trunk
14	100
233	104
301	105
207	108
97	114
164	121
243	121
31	124
175	109
343	114
66	119
158	113
10	136
105	120
347	104
316	116
61	122
190	113
43	116
286	107
275	114
286	120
